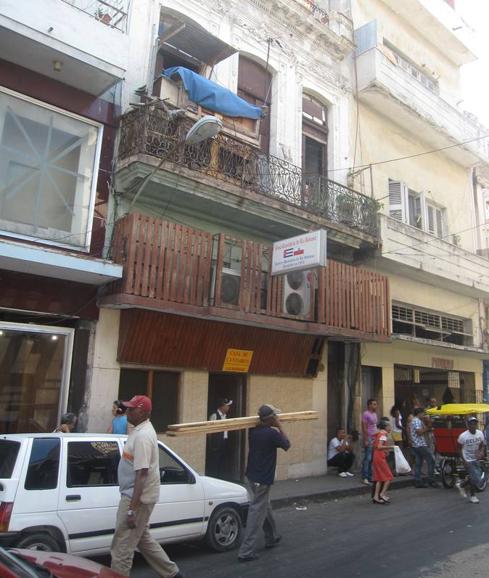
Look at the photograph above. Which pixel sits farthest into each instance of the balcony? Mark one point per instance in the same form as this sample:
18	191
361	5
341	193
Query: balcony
176	269
417	253
82	44
229	163
394	93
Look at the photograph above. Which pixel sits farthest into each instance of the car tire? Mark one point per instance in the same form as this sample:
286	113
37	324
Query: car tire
224	529
39	541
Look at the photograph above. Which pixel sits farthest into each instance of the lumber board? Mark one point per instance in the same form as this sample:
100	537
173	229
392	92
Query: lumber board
233	424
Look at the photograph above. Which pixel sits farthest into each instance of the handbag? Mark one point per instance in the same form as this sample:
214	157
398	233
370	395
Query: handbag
402	465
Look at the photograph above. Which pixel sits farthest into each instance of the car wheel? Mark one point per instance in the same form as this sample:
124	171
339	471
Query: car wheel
224	529
39	541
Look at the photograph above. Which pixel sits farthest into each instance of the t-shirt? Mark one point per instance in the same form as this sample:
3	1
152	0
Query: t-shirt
119	424
470	443
370	419
333	446
140	452
262	455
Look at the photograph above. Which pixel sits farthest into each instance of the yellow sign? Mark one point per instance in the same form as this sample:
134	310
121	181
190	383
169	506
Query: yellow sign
237	360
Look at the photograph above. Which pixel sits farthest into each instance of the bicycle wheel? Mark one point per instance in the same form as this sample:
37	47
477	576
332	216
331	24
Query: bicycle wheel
448	469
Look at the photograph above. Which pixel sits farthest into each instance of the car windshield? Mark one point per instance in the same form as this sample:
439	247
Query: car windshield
8	454
22	568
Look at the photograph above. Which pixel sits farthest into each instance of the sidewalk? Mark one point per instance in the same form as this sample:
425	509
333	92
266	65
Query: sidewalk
326	487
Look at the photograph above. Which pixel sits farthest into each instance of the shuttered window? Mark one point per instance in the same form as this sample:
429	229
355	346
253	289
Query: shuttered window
397	203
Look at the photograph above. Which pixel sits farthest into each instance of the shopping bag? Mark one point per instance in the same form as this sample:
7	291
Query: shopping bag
402	466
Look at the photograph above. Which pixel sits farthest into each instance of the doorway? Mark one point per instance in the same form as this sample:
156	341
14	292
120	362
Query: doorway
233	387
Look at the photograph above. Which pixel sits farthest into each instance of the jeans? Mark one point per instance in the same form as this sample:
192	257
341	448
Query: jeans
423	454
474	472
367	462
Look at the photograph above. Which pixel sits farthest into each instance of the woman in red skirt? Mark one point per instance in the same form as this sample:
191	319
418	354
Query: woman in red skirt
381	472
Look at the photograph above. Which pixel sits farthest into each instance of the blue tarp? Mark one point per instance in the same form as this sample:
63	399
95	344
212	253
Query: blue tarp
212	96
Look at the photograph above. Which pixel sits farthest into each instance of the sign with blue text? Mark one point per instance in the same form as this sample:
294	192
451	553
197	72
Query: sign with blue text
302	252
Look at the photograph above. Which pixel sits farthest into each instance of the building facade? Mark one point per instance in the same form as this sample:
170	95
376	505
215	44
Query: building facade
420	153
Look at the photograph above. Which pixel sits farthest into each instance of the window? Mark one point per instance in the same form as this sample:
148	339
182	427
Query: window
8	457
254	86
42	473
48	163
314	147
171	470
160	386
414	209
92	464
426	324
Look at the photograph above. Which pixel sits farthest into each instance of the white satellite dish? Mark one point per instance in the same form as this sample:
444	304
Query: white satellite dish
207	127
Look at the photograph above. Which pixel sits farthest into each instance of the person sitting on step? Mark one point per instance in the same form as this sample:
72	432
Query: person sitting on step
340	453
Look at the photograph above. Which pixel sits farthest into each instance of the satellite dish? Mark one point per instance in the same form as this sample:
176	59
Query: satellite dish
207	127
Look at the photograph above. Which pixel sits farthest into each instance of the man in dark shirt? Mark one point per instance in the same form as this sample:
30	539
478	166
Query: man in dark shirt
260	473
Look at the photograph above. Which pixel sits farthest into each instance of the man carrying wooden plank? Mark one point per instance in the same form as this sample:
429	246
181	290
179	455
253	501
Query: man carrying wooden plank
264	439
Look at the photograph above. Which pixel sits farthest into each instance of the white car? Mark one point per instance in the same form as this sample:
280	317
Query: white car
59	492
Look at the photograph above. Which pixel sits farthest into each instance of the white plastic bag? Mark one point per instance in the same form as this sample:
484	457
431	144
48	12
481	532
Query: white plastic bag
402	466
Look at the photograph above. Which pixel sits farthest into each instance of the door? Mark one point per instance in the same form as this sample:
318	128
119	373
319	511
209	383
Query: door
231	386
89	492
179	514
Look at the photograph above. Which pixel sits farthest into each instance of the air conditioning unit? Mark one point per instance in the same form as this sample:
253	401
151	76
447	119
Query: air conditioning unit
230	286
297	293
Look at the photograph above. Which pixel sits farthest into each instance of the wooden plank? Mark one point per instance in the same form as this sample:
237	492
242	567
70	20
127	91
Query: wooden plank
161	259
154	259
131	254
140	235
146	256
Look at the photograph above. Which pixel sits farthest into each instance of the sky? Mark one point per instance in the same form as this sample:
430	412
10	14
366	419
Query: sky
475	76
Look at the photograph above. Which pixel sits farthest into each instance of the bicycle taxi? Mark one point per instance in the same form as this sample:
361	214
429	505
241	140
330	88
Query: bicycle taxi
449	421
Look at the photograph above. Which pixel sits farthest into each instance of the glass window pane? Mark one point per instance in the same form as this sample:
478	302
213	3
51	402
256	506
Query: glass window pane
31	378
42	473
48	161
8	455
171	471
92	464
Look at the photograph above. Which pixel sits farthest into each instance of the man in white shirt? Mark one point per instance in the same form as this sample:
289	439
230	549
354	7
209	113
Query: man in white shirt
471	446
340	454
218	443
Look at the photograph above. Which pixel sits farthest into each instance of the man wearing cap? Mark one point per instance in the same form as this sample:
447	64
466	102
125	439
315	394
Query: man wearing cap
218	443
139	484
264	439
471	445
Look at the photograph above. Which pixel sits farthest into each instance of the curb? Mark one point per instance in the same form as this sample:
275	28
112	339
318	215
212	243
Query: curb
329	495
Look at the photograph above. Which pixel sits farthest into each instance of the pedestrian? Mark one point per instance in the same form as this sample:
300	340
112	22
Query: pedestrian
119	419
471	446
139	485
218	443
67	423
421	450
264	439
396	425
381	471
369	429
340	453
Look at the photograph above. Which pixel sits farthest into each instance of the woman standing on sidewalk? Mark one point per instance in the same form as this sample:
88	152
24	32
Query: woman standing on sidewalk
381	473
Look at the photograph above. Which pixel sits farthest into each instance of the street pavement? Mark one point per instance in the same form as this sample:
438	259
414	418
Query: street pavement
423	533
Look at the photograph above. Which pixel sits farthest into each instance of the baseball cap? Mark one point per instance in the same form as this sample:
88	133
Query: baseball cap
472	418
267	410
224	401
139	401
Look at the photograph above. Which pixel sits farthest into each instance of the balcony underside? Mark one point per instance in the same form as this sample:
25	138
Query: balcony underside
125	301
225	203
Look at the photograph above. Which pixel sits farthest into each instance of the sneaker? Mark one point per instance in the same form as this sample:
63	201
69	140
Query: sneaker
343	475
461	489
366	482
349	474
474	500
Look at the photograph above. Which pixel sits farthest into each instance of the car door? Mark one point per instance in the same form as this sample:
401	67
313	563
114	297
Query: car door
179	514
89	492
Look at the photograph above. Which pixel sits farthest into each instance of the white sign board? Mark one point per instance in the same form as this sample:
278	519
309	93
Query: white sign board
297	253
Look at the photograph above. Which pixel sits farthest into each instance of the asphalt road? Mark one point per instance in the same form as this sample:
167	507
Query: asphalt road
425	533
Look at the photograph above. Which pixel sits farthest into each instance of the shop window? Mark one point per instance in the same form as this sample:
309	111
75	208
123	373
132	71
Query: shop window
432	325
254	86
92	464
42	473
48	168
161	386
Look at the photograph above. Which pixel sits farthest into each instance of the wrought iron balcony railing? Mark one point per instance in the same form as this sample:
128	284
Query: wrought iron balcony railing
149	130
113	13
